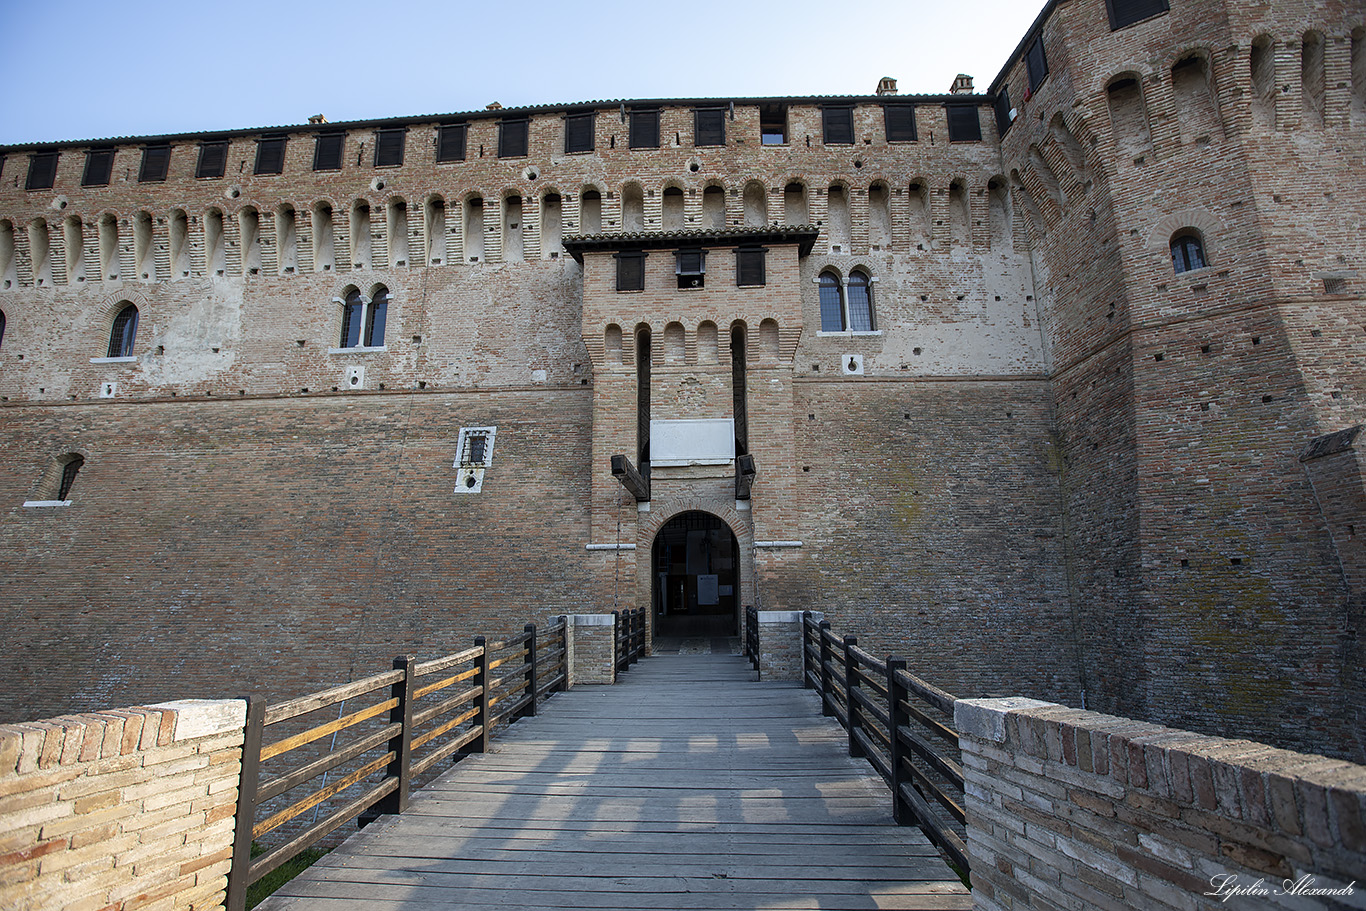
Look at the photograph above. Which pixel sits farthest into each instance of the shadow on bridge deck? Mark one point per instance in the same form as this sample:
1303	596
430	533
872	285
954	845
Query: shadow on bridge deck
685	786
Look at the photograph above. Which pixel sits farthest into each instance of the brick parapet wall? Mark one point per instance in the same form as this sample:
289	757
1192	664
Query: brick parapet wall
592	649
1077	810
123	809
780	644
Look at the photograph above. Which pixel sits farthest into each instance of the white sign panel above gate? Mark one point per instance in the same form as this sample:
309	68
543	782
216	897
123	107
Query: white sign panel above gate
710	442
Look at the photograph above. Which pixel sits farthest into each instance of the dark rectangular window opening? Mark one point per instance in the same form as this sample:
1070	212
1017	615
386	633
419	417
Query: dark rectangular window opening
270	155
838	124
691	268
477	445
578	132
1127	12
749	266
1002	107
512	138
964	125
645	129
709	127
773	124
630	271
213	159
99	165
900	122
42	171
327	151
450	142
1036	63
389	147
156	160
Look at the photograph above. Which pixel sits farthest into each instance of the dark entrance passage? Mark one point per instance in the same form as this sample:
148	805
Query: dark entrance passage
696	577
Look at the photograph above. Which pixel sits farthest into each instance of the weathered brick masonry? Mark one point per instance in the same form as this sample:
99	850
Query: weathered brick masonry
1050	464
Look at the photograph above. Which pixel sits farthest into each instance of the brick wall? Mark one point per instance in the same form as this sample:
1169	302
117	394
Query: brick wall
780	644
120	810
1072	809
592	649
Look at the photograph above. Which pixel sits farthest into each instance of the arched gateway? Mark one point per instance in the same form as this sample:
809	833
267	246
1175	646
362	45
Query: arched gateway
695	577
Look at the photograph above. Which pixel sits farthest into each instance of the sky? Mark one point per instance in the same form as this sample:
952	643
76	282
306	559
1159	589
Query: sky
93	70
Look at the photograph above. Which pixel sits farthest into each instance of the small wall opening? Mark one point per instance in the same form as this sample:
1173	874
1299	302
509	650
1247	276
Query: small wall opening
9	272
672	209
1036	221
287	239
1071	149
1197	111
249	220
1312	79
552	220
512	229
143	262
706	342
838	226
434	231
998	215
180	244
675	344
109	247
918	222
1262	62
714	207
612	344
879	217
795	209
1129	118
39	248
632	208
360	235
74	237
960	228
324	238
756	205
474	229
769	340
590	212
397	224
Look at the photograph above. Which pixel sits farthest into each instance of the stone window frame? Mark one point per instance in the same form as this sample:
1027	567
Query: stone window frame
846	315
353	301
474	440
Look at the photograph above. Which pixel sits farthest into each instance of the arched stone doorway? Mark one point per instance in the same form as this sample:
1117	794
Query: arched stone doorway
695	577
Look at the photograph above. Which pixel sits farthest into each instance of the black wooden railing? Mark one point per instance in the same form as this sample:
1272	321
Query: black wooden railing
752	636
629	630
902	725
364	761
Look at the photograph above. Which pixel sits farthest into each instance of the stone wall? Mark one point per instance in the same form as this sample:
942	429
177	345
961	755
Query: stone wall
123	809
1070	809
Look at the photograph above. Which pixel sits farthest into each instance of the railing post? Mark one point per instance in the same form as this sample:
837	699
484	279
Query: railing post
826	708
617	640
530	710
899	718
633	653
806	659
401	744
239	876
851	709
564	652
480	744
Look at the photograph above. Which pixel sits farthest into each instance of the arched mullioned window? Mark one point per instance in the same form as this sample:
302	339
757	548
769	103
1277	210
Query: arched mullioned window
363	321
832	303
1188	251
70	466
124	332
860	302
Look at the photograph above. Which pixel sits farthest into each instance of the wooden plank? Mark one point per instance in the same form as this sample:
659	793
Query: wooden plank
322	730
311	703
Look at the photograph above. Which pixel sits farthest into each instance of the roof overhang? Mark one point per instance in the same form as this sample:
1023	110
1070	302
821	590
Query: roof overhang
804	236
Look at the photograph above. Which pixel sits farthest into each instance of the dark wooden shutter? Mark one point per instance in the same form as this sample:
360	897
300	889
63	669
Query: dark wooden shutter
749	266
630	271
99	164
839	125
213	159
389	148
155	161
1127	12
645	129
578	132
270	155
963	123
512	138
900	122
1036	63
1002	107
327	152
42	171
709	127
450	142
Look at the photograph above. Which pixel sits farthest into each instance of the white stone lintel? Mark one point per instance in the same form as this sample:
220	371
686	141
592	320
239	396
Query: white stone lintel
986	718
205	717
610	546
777	543
593	619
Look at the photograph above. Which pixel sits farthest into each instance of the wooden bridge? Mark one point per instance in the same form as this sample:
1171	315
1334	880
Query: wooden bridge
685	786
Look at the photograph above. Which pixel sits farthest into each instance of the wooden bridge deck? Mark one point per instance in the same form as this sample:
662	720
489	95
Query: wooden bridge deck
685	786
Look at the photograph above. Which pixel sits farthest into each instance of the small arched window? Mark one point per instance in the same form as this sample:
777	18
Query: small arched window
832	303
363	320
860	302
1188	252
69	468
124	332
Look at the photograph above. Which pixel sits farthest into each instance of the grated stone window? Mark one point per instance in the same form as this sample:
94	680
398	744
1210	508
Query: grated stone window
474	457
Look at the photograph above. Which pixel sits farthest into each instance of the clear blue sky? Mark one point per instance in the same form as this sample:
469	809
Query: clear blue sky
85	70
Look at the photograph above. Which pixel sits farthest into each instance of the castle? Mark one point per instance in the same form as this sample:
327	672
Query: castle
1052	389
